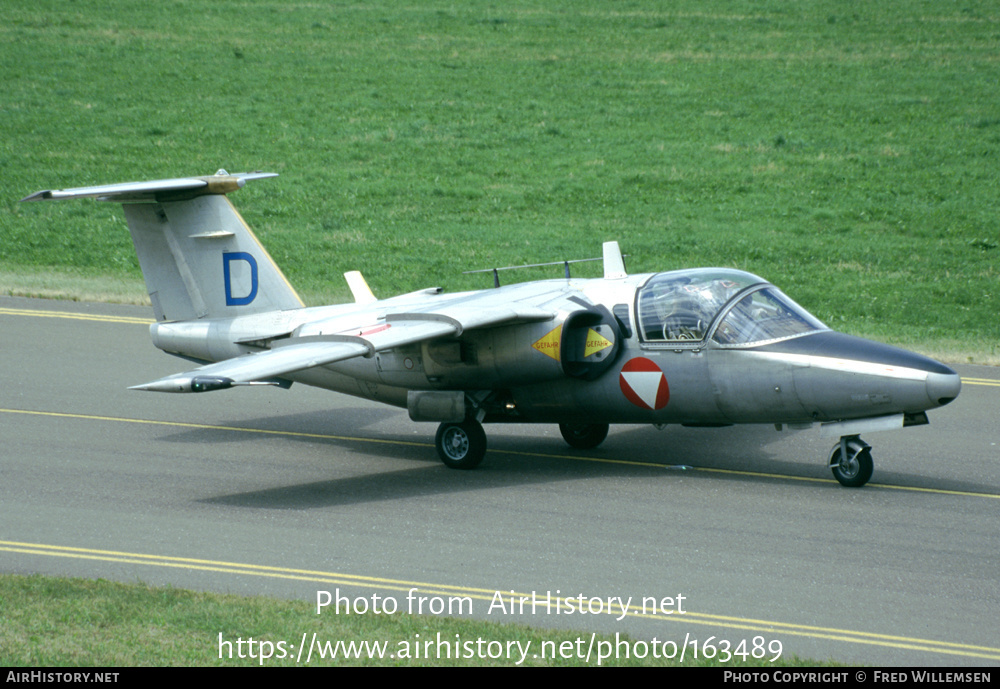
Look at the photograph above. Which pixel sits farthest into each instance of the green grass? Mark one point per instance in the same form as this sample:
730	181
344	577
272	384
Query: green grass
51	621
845	151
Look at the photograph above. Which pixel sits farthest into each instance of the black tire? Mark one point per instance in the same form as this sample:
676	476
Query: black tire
856	471
584	436
461	445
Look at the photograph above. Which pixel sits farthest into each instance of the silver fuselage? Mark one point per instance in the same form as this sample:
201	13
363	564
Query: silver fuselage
814	376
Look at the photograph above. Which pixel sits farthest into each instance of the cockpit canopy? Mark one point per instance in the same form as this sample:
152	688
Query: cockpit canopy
730	306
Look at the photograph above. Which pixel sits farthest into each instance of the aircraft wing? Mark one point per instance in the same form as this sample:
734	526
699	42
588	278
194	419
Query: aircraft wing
259	368
299	353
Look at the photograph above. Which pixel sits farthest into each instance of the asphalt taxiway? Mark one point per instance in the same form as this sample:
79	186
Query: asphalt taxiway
265	491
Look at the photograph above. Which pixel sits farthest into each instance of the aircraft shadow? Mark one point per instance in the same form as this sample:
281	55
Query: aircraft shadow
533	454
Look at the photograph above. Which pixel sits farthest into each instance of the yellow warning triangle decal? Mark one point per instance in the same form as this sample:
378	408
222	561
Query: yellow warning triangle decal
595	343
549	345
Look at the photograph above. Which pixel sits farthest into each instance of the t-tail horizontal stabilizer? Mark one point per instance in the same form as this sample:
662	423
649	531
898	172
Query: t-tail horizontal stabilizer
157	190
198	256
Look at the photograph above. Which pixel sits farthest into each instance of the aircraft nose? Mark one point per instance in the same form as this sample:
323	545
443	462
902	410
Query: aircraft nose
943	387
841	372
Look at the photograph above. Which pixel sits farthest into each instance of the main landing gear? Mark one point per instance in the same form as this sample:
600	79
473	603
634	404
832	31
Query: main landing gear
851	461
584	436
462	445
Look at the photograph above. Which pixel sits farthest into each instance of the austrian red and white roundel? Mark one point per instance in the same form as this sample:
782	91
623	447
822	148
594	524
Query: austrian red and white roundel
644	384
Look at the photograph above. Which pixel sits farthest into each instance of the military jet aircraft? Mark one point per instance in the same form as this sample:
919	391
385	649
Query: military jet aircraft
700	347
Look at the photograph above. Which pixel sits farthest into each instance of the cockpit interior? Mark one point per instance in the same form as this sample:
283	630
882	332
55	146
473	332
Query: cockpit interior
730	307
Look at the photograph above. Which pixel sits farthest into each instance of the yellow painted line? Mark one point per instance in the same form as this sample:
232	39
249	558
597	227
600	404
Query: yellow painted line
889	486
185	424
981	381
102	318
490	595
520	453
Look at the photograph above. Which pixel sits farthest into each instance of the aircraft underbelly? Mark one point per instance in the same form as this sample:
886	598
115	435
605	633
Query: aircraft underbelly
324	377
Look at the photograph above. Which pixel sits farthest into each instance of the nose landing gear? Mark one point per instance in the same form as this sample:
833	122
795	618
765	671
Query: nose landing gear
851	461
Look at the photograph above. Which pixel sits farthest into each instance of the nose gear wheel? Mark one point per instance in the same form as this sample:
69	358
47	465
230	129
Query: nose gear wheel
851	462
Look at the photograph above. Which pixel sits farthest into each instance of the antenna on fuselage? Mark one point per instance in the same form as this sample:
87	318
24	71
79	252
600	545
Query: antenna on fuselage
614	265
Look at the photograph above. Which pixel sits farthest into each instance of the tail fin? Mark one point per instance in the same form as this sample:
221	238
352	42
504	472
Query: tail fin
198	256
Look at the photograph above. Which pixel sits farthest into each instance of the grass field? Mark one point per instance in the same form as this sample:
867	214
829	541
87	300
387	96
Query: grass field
846	151
51	622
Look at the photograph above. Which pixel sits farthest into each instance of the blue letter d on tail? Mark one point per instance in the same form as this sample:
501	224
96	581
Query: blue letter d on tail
227	260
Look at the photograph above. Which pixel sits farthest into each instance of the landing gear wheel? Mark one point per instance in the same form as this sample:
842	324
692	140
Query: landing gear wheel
584	436
461	445
851	462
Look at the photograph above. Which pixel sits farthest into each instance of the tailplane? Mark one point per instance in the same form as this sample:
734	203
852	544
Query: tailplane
198	256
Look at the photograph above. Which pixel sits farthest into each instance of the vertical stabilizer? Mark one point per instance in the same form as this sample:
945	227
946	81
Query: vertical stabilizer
200	260
198	256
